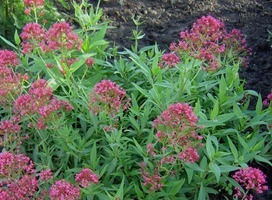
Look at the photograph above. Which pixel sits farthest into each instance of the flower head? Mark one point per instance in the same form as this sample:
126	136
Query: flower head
170	59
108	96
250	179
86	177
209	41
63	190
40	101
32	37
153	181
89	62
33	3
8	58
268	100
61	37
15	164
10	86
45	175
176	127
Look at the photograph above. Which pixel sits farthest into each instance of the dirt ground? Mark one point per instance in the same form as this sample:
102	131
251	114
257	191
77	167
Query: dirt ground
164	19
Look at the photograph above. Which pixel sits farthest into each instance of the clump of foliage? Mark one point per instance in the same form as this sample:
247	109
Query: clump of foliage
80	120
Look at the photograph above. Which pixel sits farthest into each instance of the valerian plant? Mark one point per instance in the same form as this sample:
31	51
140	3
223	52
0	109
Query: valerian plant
80	120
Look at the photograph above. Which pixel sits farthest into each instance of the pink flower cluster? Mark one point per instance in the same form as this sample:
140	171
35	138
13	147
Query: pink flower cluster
32	37
40	101
59	37
32	3
86	177
170	60
208	40
176	127
63	190
10	85
12	165
250	179
268	100
152	181
10	134
89	62
45	175
18	177
8	58
108	96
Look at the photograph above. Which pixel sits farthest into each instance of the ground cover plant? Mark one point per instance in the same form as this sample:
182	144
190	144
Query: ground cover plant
81	120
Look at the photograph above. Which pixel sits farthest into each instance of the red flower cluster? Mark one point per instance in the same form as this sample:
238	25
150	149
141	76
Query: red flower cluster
40	101
170	59
33	3
108	96
208	40
63	190
10	85
250	179
176	127
8	58
153	181
32	37
18	178
45	175
86	177
268	100
89	62
10	135
60	37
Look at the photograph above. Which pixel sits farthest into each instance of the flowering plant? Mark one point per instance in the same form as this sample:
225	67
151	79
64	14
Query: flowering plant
80	120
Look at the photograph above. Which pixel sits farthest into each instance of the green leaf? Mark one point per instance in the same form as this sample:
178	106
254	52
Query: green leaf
134	123
224	117
233	148
216	170
209	148
222	89
120	191
112	166
139	149
197	108
190	173
242	141
76	65
194	166
176	186
237	110
64	4
8	42
53	84
228	168
72	147
93	157
17	38
262	159
215	110
140	194
209	123
259	105
202	193
143	91
204	162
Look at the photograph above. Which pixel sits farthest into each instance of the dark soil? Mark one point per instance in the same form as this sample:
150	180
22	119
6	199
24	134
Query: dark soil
164	19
